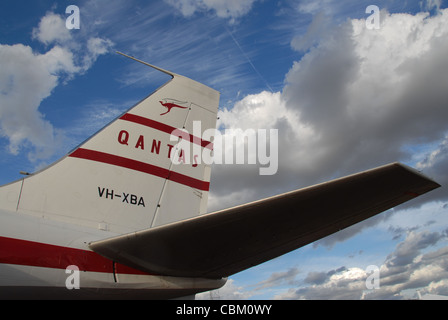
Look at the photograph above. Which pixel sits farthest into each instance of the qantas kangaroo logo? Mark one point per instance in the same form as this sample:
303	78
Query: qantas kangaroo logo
170	104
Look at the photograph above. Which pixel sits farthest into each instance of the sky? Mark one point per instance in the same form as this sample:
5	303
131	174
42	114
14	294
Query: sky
345	95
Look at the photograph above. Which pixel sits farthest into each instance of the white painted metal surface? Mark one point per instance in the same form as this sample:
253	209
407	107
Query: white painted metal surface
120	180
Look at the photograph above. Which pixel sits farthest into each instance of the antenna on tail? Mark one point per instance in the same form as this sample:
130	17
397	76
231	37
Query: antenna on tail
172	74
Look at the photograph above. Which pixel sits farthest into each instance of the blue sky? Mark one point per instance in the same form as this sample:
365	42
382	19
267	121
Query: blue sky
344	98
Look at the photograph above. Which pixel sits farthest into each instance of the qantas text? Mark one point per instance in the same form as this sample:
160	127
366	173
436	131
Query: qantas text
235	146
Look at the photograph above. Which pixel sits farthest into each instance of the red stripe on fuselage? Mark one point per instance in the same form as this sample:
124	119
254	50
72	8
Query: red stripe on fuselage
36	254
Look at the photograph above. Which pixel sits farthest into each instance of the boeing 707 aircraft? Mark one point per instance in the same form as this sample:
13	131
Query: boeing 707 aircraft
136	226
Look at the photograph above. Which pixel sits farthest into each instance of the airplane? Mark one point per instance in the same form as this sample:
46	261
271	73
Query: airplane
134	226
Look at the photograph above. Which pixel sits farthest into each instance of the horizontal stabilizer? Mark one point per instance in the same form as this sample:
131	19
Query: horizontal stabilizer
226	242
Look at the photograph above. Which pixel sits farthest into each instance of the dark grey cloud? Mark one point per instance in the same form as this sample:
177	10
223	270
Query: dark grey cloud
407	267
358	99
279	278
407	251
317	278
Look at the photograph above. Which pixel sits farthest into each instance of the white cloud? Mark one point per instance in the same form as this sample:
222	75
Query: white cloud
28	77
356	100
344	283
224	8
52	29
83	50
59	60
318	27
406	268
255	112
260	111
95	48
230	291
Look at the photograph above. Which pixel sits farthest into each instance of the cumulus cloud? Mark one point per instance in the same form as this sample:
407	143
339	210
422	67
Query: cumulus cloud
317	29
84	51
344	284
28	77
367	94
408	250
412	265
51	29
265	110
408	268
224	8
357	99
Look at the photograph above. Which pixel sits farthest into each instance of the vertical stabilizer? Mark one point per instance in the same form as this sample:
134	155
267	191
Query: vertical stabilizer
122	179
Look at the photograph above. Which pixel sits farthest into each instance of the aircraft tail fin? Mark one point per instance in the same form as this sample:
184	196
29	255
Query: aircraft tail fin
131	175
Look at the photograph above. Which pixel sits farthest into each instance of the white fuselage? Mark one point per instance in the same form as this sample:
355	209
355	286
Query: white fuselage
40	259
